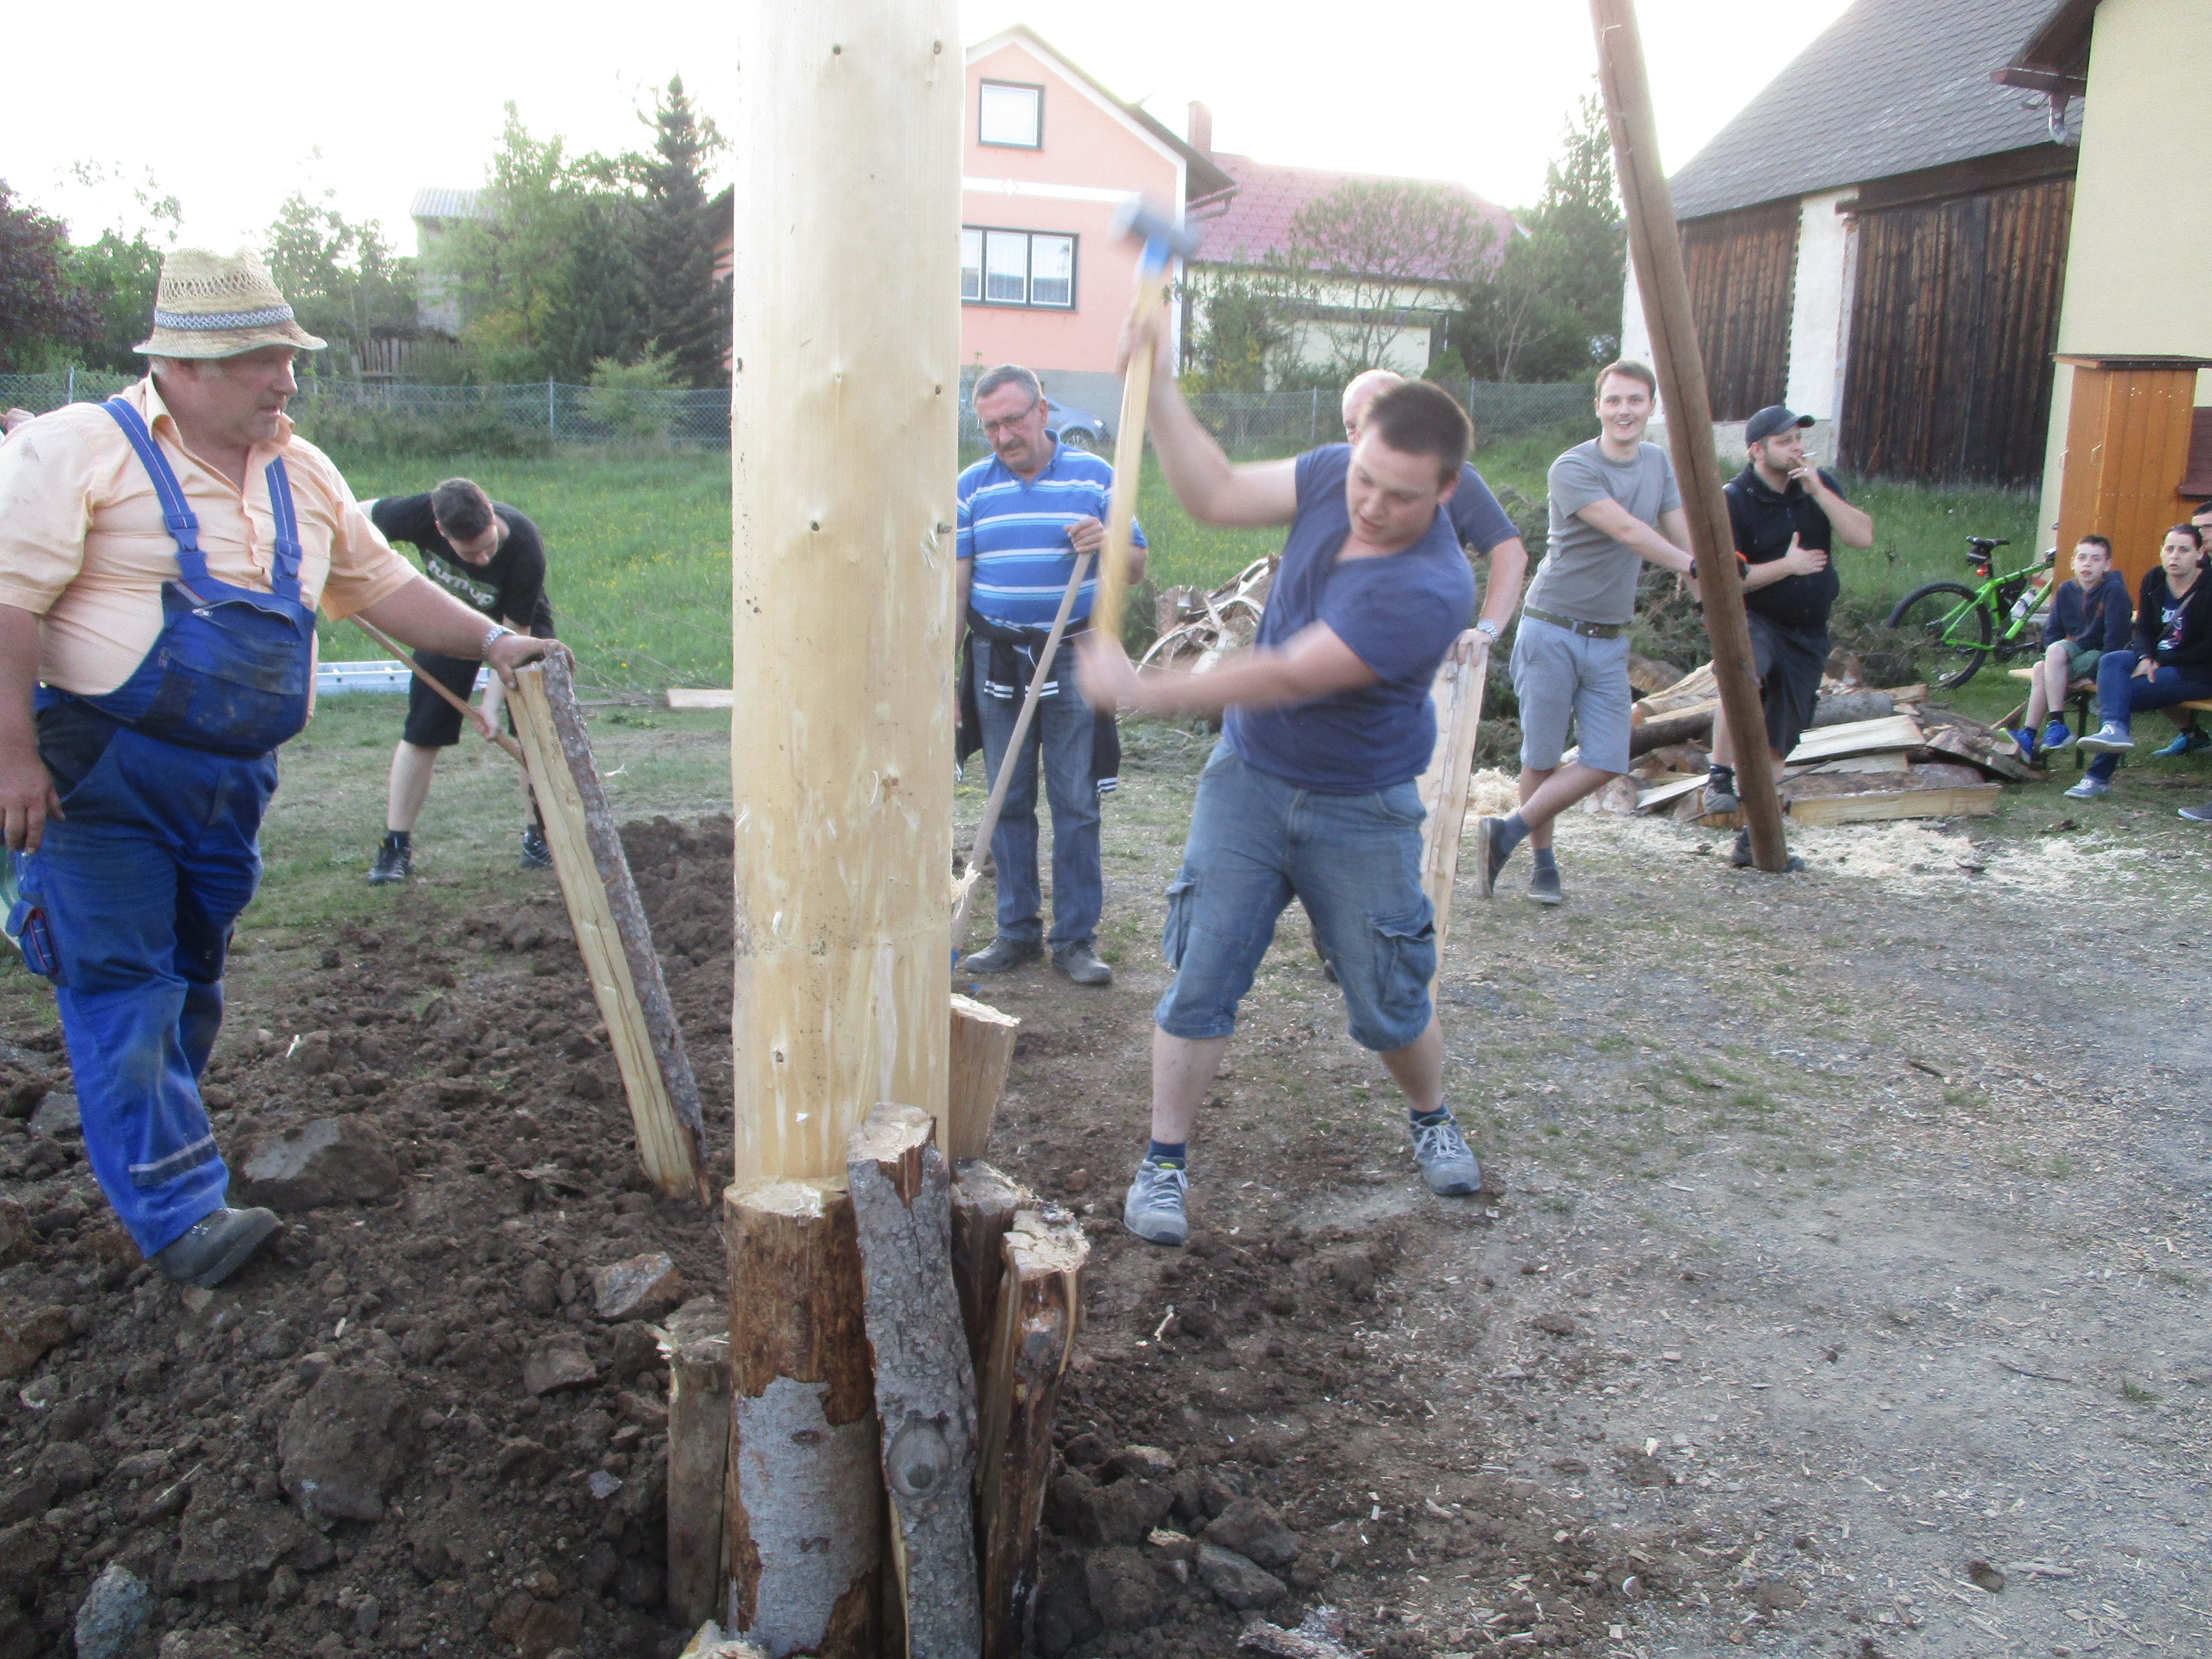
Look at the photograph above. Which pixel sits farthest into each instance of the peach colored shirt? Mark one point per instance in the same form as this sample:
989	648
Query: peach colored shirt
83	546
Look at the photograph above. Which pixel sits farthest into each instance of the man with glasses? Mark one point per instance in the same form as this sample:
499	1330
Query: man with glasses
1027	512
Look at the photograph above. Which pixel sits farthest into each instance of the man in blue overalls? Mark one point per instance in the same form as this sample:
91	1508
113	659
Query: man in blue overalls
160	558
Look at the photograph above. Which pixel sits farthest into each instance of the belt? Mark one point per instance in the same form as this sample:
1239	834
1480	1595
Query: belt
1587	630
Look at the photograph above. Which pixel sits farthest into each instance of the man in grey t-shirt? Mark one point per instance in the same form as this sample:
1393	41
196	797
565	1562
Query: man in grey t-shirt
1615	504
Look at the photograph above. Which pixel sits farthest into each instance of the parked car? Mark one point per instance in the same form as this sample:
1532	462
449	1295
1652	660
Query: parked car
1075	428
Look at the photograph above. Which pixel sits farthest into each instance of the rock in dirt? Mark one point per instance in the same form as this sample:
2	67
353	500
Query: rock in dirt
26	1338
1320	1635
533	1628
1150	1461
558	1362
29	1494
347	1443
326	1160
57	1115
1239	1581
643	1287
1253	1530
70	1467
711	1643
1779	1595
28	1552
113	1611
17	1240
1125	1589
223	1538
1986	1576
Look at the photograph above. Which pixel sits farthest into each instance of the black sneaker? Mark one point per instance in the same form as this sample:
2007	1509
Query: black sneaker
536	854
1485	874
394	863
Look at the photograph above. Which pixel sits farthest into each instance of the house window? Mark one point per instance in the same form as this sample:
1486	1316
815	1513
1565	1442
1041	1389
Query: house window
1007	112
1017	268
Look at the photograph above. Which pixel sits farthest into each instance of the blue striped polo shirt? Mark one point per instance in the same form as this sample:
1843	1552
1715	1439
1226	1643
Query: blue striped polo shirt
1017	534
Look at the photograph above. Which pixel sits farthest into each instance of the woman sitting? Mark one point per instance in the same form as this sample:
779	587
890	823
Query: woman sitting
2171	658
2089	615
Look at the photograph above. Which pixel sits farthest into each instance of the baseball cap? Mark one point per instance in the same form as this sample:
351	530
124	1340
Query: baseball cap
1771	420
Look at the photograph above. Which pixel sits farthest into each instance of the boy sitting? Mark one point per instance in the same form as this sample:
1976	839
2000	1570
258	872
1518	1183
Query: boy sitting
2089	615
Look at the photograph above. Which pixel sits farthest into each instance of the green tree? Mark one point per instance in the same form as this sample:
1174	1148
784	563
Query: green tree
507	264
120	271
1376	250
342	280
687	306
1238	329
45	321
597	314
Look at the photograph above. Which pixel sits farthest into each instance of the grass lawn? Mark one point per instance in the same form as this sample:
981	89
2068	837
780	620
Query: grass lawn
640	544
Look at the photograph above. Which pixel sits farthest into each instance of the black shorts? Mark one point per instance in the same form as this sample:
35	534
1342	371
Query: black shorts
1790	664
432	722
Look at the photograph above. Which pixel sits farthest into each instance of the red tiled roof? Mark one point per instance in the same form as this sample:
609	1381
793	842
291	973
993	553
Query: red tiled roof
1256	220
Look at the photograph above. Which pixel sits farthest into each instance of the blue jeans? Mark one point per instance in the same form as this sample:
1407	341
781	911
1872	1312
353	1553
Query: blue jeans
1061	732
2120	694
1354	861
140	884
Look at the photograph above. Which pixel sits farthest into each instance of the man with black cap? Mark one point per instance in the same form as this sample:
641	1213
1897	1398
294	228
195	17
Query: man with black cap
1785	513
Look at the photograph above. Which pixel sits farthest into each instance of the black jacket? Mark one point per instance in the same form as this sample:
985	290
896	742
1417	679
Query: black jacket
2176	634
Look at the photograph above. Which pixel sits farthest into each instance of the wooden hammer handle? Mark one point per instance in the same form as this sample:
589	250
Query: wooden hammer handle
1128	470
466	713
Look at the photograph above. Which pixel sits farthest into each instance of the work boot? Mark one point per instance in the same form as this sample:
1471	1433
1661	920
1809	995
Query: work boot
1154	1209
536	854
216	1246
1740	855
1721	797
1002	954
395	862
1447	1162
1080	964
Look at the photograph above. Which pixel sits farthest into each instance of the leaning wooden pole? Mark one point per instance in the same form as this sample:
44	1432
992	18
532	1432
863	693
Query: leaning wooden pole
846	363
1657	249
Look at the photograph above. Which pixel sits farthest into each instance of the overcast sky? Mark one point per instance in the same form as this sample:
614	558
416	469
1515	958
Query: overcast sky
233	112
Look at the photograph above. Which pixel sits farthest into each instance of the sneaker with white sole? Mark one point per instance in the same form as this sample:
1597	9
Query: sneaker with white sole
2089	789
1154	1209
2201	813
1493	861
1447	1161
2110	739
1544	884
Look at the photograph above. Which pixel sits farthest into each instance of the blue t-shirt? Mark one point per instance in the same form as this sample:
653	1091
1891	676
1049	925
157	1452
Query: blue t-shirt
1475	514
1016	532
1399	613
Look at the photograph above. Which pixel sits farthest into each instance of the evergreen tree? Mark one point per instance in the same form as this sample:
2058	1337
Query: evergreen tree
687	306
598	312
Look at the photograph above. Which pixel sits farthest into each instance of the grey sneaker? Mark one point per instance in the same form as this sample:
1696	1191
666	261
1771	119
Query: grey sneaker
2199	814
1154	1209
2110	739
216	1246
1544	885
1447	1164
1485	874
1080	964
1721	800
1741	855
2089	788
1002	956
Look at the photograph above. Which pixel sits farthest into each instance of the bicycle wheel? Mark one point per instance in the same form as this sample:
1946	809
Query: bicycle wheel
1943	633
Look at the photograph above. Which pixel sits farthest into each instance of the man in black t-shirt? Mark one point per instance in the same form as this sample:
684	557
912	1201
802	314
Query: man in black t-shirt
1785	513
492	559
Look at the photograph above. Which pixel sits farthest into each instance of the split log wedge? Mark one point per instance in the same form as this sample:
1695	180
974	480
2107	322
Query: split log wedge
985	1201
698	1348
925	1383
982	1049
610	929
1040	1310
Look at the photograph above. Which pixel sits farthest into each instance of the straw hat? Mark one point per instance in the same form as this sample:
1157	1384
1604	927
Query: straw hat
209	306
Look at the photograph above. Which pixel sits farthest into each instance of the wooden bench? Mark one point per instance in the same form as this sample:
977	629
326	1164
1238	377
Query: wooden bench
2078	693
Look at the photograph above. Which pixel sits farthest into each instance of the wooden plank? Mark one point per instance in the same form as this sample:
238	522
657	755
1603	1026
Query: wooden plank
805	1524
925	1384
1040	1311
698	1350
1457	697
1894	761
1648	799
611	931
1693	688
1859	737
1970	800
985	1200
982	1049
681	697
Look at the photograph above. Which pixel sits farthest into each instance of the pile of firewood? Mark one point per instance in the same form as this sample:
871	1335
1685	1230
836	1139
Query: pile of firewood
1198	629
1871	753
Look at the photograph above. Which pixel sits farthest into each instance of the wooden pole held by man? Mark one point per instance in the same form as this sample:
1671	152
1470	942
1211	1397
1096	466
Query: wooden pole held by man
843	455
1657	249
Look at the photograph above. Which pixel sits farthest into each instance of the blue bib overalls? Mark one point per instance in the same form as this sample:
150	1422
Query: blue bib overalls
141	881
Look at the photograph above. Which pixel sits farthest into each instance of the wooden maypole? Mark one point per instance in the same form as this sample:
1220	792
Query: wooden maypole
843	452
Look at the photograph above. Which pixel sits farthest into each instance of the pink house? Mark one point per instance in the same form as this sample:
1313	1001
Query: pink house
1049	155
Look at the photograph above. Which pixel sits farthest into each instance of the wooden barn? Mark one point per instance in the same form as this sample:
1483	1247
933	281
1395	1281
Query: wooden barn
1879	239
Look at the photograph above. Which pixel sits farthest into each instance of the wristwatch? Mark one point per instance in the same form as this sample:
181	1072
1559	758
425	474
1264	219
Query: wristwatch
497	631
1487	628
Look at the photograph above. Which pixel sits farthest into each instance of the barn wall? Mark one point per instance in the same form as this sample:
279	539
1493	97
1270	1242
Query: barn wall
1742	268
1954	321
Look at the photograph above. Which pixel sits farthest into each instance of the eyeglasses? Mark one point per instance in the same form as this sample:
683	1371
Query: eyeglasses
992	428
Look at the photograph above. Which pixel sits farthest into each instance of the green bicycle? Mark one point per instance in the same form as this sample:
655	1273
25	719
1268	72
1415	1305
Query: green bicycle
1947	629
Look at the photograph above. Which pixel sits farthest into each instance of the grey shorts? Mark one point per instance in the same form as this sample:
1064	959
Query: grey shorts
1556	673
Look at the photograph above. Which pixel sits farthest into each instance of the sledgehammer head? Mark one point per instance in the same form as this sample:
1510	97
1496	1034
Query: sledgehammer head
1163	238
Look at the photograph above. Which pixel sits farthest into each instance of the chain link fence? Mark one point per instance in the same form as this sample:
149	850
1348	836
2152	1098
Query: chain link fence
431	420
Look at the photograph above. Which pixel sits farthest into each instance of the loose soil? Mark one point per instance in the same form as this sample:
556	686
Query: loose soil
1842	1255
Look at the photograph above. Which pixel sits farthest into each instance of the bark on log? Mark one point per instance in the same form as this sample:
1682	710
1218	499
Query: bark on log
925	1385
981	1049
805	1518
1040	1310
1841	708
698	1350
1669	729
612	931
985	1201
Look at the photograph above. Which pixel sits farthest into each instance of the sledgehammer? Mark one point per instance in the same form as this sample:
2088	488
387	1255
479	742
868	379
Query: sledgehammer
1163	240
